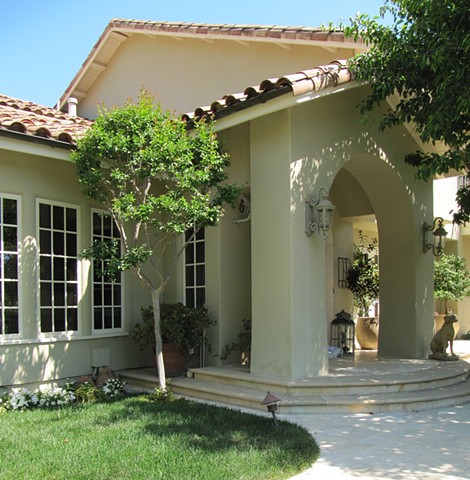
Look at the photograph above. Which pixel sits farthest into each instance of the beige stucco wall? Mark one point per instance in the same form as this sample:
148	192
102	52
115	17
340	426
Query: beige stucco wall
185	73
228	251
293	153
32	356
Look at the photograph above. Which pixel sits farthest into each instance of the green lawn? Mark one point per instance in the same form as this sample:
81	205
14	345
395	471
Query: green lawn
140	438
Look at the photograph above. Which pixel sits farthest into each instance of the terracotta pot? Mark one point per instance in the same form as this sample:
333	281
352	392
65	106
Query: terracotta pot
367	332
439	321
175	361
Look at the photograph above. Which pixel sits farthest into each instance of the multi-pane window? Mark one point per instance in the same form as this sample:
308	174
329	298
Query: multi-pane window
58	267
195	269
107	299
9	292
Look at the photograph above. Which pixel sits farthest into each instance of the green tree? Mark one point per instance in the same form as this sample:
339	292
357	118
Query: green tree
423	59
363	276
451	279
158	179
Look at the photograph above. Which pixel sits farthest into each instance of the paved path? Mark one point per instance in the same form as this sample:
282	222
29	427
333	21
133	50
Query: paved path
425	445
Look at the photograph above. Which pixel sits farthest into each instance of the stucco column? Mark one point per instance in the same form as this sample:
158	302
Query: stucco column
288	288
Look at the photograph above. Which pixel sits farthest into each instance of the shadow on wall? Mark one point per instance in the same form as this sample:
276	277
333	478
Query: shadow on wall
20	364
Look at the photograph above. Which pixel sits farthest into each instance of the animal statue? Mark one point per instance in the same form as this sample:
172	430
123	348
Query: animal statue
443	338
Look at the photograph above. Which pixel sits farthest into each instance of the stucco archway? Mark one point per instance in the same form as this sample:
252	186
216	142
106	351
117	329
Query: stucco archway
405	301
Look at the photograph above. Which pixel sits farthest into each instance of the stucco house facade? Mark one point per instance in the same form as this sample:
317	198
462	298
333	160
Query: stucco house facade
293	131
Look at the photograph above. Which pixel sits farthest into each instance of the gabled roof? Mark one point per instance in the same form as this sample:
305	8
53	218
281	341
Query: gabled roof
36	121
308	81
118	30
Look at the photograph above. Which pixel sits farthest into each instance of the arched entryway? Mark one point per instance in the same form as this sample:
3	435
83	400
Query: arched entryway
370	188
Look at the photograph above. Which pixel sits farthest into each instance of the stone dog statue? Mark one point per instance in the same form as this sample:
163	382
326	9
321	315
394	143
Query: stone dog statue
443	338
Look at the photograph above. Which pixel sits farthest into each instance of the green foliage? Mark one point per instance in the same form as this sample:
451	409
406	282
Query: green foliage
181	325
88	393
242	345
158	179
163	394
465	336
422	56
451	279
363	276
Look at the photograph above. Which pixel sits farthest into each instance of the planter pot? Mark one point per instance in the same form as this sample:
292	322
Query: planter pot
439	321
175	361
367	332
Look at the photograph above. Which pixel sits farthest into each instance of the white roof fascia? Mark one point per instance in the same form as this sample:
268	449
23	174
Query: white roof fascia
277	104
32	148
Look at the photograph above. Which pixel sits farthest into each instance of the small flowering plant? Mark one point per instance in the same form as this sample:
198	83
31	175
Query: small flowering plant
22	399
114	387
53	396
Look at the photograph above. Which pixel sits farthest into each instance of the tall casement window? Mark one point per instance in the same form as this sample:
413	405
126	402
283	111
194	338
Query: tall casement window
195	269
58	267
107	292
9	291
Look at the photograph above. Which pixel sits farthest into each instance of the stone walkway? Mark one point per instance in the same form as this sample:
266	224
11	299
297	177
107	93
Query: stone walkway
430	444
427	445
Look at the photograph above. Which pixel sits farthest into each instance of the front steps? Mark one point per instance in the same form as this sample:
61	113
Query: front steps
378	386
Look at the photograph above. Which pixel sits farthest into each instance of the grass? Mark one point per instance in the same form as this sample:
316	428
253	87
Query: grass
140	438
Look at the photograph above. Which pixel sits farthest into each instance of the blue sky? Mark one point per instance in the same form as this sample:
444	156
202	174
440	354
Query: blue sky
45	43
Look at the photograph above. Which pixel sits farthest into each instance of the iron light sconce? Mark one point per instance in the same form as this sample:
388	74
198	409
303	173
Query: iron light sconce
439	236
319	214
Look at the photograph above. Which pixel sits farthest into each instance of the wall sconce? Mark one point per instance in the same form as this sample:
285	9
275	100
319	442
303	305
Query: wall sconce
439	236
319	214
244	205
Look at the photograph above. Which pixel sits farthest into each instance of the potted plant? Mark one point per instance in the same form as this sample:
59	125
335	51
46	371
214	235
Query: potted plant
182	330
242	345
451	283
363	281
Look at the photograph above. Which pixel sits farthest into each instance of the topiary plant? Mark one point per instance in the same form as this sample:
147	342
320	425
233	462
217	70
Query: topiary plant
451	280
363	276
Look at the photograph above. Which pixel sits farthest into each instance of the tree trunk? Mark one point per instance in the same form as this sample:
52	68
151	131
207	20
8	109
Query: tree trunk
158	339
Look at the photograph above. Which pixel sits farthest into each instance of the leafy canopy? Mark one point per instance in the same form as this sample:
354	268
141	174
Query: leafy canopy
423	56
157	179
451	279
363	276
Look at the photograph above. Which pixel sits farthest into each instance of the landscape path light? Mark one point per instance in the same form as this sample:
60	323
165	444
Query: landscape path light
271	402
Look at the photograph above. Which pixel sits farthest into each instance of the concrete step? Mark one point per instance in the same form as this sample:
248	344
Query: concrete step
351	403
374	385
421	375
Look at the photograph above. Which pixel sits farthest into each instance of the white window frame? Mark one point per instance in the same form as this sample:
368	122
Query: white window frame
61	333
104	330
194	264
3	335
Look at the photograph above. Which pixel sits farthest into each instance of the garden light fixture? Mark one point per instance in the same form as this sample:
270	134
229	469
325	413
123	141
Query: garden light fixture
439	236
271	402
319	214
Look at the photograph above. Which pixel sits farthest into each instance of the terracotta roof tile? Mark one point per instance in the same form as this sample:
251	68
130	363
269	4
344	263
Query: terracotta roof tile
39	121
288	32
312	80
